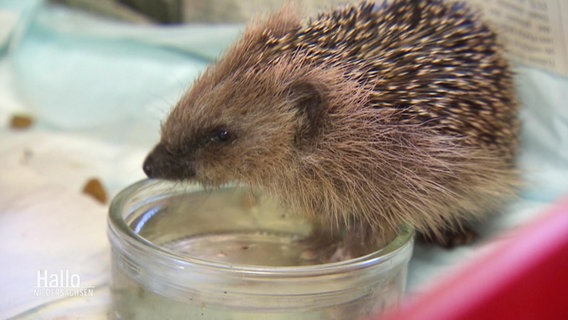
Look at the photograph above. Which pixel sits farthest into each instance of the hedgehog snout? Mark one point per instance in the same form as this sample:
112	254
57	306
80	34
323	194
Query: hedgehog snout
162	164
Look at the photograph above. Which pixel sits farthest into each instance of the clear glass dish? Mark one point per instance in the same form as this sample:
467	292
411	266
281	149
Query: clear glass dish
181	252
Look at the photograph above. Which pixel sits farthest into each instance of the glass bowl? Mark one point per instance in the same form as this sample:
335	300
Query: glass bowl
179	251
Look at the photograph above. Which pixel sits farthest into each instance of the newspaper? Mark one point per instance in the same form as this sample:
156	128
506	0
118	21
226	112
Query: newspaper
534	32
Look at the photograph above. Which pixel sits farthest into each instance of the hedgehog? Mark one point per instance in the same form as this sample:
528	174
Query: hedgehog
365	119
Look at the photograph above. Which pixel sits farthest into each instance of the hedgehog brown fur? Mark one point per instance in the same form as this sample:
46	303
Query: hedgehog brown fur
364	118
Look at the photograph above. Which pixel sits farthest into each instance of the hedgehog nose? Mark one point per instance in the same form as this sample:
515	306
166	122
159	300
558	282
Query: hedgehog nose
161	164
155	161
148	167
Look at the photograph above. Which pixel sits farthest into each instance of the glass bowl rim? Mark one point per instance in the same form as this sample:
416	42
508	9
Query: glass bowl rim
119	231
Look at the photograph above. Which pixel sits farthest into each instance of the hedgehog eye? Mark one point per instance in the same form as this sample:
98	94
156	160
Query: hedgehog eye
222	135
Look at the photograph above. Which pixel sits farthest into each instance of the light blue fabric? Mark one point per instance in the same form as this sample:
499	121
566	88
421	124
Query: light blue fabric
76	71
544	149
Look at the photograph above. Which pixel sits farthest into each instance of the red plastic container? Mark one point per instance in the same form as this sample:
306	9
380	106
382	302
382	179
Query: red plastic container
524	275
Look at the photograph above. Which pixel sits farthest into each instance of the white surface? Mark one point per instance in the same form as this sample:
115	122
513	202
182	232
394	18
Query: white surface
46	223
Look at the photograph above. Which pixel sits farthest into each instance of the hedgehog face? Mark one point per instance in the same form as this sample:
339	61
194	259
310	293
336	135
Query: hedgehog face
206	156
247	132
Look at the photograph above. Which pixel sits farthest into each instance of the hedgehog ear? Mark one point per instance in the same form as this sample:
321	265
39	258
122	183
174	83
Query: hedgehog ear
309	100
